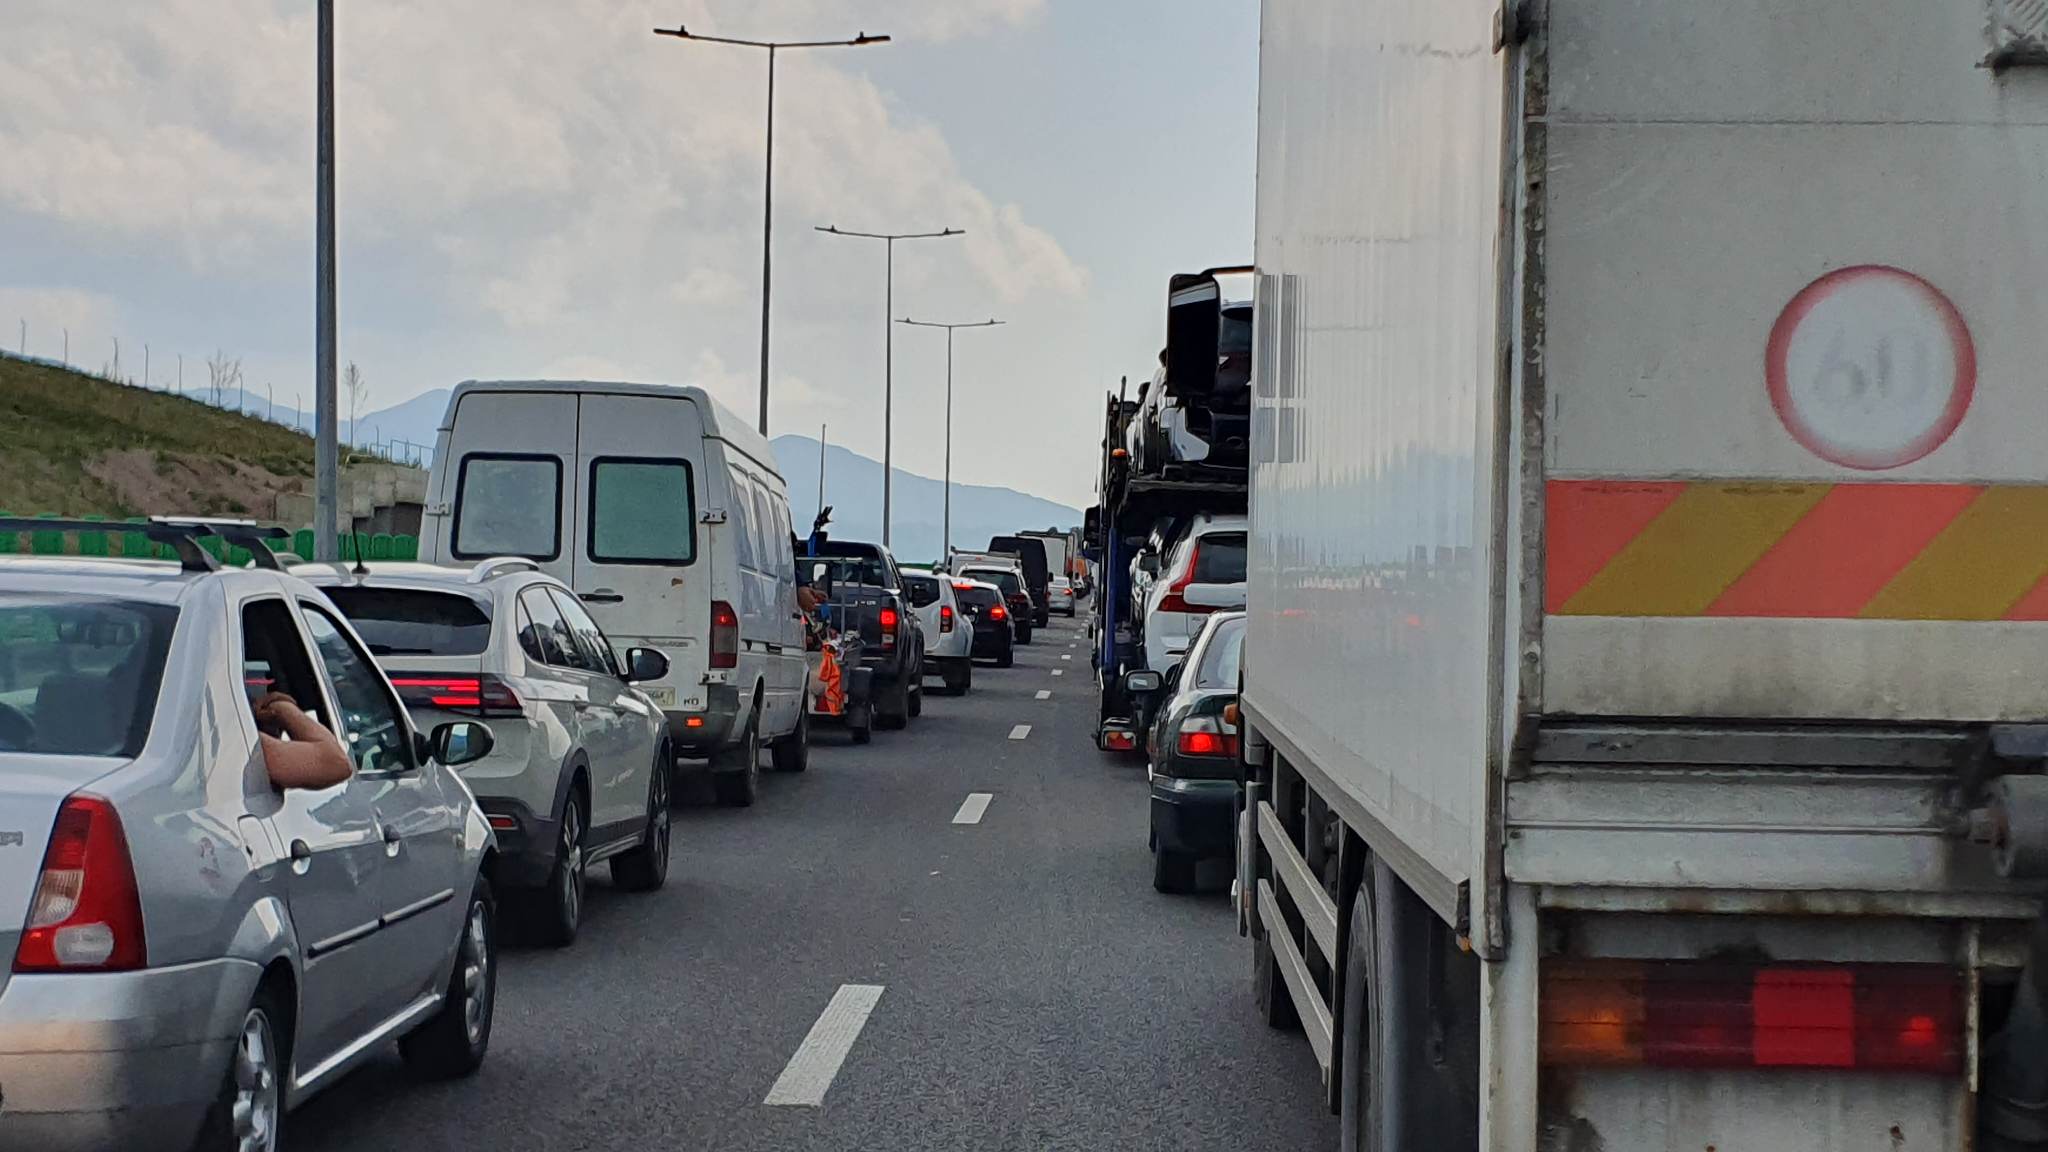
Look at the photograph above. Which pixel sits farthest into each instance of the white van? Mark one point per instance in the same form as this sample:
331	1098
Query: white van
664	511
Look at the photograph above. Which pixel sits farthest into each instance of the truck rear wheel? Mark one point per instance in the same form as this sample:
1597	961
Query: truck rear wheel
1269	989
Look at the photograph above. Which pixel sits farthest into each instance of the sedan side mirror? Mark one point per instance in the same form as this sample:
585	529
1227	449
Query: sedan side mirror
461	742
1143	680
644	665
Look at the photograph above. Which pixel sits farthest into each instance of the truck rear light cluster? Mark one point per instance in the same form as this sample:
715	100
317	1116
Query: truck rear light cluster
1873	1017
725	635
889	622
87	911
1205	736
1119	740
484	695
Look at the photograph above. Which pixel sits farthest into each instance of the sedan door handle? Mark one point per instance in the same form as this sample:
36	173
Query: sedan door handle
301	850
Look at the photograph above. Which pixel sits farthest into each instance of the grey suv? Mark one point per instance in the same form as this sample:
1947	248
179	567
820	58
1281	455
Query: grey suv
581	768
192	951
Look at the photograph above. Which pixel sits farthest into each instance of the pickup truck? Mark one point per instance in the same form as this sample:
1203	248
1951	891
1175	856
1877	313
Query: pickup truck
863	590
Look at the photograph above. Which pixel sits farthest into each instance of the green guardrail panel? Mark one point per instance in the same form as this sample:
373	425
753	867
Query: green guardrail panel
136	543
302	543
405	548
92	543
46	543
9	541
380	546
238	556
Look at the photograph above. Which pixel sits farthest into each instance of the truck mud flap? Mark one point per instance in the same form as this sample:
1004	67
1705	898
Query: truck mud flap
1319	919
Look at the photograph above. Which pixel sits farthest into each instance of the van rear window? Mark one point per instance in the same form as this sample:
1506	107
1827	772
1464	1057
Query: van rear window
414	622
642	511
508	505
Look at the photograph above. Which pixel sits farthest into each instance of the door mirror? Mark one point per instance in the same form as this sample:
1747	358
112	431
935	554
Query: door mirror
1142	681
1148	563
461	742
644	665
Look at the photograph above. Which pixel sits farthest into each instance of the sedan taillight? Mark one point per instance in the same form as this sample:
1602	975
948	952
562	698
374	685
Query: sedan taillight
87	911
1205	736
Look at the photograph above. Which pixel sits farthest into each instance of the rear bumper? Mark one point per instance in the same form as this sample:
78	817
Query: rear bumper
526	850
1196	817
716	727
991	643
117	1059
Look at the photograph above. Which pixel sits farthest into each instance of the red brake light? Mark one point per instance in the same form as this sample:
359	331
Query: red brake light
889	622
725	635
1203	736
958	587
484	695
997	613
1890	1017
1173	600
87	912
1119	739
945	617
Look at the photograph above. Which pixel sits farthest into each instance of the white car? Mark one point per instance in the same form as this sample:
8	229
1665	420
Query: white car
1203	571
580	772
948	634
1062	593
665	512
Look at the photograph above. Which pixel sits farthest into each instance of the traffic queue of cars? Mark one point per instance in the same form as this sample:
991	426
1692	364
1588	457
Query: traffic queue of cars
607	600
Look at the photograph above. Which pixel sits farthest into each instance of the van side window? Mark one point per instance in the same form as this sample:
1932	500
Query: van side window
741	516
643	510
508	505
765	547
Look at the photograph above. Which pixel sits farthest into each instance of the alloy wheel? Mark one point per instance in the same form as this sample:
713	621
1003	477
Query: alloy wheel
257	1091
571	894
476	974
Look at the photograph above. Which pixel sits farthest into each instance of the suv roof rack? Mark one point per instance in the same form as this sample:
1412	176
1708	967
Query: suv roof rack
497	566
182	533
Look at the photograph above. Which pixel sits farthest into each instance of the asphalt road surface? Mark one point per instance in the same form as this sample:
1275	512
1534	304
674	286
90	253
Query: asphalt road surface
947	939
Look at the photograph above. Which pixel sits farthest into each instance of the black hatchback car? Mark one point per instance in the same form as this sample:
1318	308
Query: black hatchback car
983	604
1192	754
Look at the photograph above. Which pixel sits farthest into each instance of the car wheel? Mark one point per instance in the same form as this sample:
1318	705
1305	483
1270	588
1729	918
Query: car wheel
1008	659
1172	872
558	908
1024	634
792	753
454	1041
916	698
897	714
861	723
645	868
737	787
248	1115
959	677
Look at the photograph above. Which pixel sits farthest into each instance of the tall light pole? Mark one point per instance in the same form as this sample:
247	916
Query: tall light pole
326	453
860	40
947	531
889	240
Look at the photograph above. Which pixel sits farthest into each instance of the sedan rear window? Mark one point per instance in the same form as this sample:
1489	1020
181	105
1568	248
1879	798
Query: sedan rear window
978	598
414	622
79	677
1220	559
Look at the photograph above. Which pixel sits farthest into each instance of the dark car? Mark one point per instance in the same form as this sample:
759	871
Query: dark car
1192	750
1015	596
1030	551
863	590
983	604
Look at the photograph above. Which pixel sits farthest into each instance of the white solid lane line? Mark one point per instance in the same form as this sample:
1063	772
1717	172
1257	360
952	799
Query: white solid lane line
1059	671
809	1074
1045	694
972	808
1020	731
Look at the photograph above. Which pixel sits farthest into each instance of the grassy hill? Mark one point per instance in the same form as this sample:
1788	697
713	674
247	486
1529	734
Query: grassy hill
79	444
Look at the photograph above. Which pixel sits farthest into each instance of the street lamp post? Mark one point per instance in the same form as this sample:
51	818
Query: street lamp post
889	240
768	195
326	448
947	530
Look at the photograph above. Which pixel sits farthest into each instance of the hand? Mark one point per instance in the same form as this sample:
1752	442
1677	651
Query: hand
274	710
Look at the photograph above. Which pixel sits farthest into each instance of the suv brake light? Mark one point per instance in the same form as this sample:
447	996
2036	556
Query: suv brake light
996	612
725	635
87	912
484	695
945	618
1173	601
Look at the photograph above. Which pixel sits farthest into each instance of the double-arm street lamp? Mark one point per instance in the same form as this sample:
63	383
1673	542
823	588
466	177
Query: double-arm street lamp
889	343
989	323
768	197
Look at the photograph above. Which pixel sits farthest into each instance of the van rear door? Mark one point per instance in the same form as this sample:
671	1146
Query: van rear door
504	474
642	563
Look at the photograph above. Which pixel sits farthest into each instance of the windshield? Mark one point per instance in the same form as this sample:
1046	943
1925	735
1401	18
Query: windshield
1219	660
414	622
79	677
817	571
1000	577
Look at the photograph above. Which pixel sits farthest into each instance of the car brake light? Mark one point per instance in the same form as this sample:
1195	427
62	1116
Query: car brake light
1174	601
484	695
1875	1017
997	613
87	912
957	587
1204	736
945	618
725	636
889	622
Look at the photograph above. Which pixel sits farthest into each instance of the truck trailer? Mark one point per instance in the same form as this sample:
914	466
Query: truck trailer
1647	659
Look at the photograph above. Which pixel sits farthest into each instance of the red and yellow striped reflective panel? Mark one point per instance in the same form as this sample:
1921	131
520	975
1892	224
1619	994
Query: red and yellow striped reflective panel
1814	551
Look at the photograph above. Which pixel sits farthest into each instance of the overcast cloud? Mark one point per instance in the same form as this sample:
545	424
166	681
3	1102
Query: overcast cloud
545	188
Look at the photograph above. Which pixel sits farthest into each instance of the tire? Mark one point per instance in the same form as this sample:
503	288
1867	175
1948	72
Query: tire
1269	989
1361	1107
916	706
792	753
897	715
645	868
736	776
454	1041
556	911
959	677
1024	633
1172	872
249	1112
862	724
1008	659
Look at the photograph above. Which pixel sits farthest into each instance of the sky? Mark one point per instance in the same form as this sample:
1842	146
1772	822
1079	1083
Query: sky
543	188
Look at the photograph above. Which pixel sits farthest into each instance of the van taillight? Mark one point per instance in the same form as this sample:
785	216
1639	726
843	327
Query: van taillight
484	695
1875	1017
87	912
889	627
945	618
725	636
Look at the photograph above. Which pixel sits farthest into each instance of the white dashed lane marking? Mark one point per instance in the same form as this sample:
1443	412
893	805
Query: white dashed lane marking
1020	731
972	808
1045	694
809	1074
1059	671
1064	656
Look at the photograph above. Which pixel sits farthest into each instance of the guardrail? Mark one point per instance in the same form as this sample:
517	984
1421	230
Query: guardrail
120	540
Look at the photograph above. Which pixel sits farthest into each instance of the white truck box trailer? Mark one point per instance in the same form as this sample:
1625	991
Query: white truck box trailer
1649	580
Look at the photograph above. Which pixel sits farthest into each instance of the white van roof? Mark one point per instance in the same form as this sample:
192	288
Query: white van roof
720	422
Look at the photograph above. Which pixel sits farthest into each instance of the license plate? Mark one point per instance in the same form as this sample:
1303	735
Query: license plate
662	697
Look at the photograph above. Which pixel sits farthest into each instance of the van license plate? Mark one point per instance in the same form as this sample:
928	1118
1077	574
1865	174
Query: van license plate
662	697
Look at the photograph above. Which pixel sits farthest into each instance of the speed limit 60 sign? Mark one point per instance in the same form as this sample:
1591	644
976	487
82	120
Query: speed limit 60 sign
1871	367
